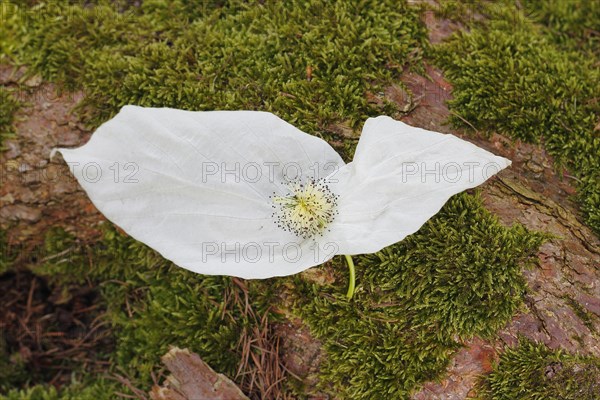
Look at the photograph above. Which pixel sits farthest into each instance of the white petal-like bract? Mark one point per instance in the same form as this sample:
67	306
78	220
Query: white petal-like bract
195	186
201	187
400	177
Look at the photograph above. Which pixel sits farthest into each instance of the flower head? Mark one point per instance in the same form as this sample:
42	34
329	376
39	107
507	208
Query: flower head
307	209
204	188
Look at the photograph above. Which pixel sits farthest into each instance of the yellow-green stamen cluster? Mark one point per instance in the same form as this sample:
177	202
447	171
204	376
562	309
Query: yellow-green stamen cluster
307	209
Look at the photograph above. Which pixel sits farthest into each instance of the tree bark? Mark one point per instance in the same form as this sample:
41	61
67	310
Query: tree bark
193	379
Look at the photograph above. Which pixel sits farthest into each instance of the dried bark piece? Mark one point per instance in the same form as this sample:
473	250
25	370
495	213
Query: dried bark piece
193	379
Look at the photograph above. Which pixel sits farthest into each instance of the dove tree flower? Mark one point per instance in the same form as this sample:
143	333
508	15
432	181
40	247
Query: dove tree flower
246	194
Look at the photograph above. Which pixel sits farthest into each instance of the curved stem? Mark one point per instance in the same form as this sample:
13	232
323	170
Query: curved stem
352	283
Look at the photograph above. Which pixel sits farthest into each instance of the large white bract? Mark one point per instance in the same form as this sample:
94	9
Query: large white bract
246	194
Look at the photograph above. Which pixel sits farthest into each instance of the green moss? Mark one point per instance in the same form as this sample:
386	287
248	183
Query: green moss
8	107
509	76
571	24
459	276
11	31
244	55
100	389
531	371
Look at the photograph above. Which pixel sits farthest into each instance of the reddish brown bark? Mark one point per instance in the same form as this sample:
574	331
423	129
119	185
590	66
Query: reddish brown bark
193	379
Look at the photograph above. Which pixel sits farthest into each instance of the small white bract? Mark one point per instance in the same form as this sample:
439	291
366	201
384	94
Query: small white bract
307	209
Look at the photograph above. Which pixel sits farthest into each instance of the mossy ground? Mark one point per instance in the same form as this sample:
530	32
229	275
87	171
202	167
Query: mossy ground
101	389
312	63
235	55
534	372
150	304
533	74
459	276
153	304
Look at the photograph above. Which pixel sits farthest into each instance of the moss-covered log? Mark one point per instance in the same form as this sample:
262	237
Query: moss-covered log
518	258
